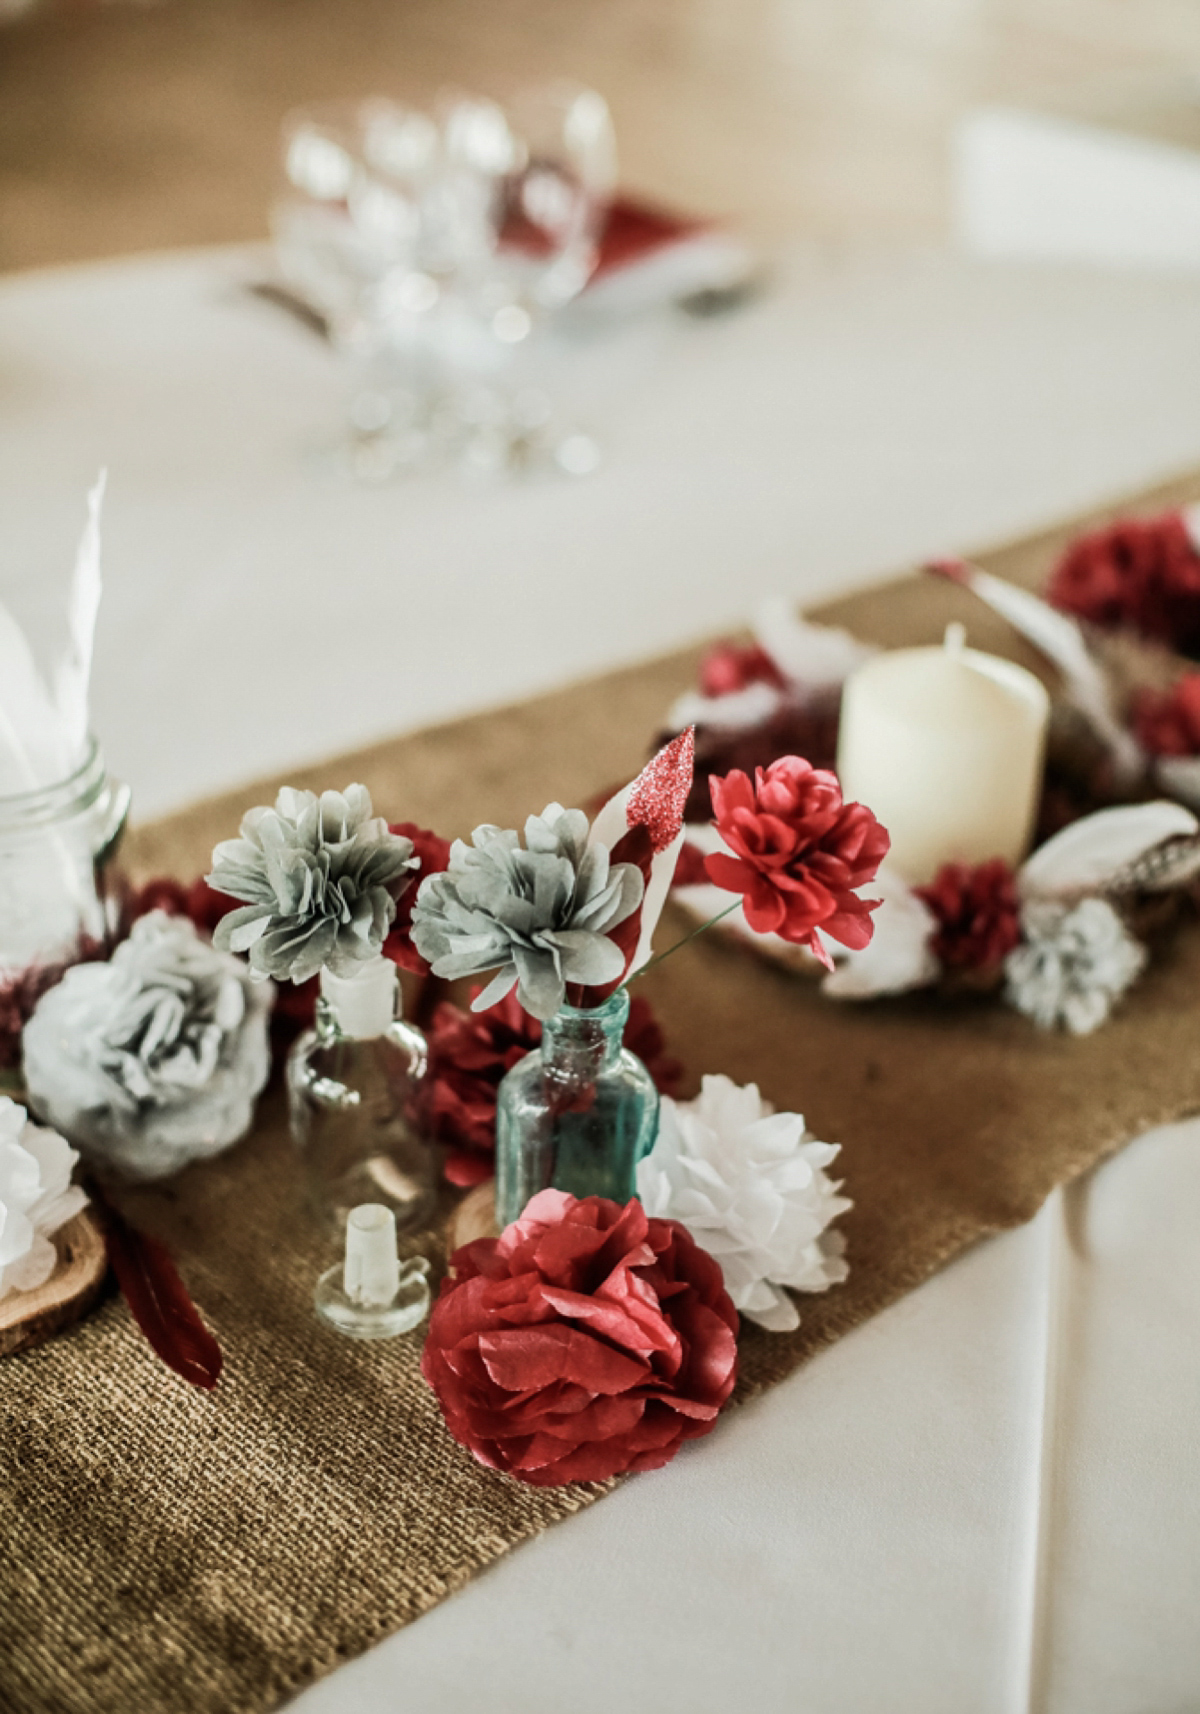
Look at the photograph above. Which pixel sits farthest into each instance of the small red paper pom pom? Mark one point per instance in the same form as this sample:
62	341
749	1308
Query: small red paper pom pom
978	914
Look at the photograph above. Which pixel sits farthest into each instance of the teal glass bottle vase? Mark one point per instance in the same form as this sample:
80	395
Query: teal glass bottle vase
576	1114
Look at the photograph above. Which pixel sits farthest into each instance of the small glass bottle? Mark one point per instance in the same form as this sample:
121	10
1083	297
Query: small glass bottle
353	1086
577	1114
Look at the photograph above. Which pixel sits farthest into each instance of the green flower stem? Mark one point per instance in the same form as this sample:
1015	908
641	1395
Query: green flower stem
704	926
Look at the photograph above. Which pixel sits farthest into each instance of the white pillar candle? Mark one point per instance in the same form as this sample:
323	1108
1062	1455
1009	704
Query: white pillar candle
946	746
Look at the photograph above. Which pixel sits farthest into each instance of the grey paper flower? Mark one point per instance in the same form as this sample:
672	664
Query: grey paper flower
319	877
154	1058
1073	964
539	917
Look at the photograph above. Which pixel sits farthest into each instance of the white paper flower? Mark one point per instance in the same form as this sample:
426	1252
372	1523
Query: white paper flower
750	1186
36	1197
154	1058
1073	964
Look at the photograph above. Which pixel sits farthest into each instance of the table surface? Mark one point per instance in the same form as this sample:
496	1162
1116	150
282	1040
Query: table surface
986	1498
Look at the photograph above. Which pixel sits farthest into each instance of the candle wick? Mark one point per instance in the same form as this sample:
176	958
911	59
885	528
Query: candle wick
955	639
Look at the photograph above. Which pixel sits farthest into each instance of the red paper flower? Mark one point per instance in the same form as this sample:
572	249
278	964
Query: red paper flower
434	853
198	902
1167	723
977	911
586	1341
469	1054
799	853
731	667
1142	574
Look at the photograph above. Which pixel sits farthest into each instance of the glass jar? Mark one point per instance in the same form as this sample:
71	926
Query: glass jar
55	847
577	1114
353	1095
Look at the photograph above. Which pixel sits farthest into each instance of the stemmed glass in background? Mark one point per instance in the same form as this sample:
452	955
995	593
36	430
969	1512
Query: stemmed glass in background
435	248
351	231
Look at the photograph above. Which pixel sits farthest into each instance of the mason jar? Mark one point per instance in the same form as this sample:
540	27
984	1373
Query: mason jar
55	847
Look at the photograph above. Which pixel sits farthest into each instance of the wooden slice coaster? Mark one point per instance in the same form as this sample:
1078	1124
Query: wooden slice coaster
29	1318
474	1217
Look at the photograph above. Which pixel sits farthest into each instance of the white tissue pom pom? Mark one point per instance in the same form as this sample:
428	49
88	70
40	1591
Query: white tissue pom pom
1073	964
155	1058
36	1197
751	1188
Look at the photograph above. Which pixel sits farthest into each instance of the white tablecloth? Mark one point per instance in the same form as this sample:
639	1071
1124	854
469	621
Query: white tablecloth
987	1498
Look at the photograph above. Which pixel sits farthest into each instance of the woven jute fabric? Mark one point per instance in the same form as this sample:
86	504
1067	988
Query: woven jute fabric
167	1550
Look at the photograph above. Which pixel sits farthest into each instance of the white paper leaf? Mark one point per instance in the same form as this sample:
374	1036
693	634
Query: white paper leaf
1179	777
814	656
620	813
737	712
1089	854
898	957
1057	636
73	678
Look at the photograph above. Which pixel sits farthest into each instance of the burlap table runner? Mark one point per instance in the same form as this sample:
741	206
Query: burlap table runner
166	1550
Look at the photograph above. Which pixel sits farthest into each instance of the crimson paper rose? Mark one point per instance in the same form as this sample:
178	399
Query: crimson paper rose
1139	573
977	911
586	1341
798	854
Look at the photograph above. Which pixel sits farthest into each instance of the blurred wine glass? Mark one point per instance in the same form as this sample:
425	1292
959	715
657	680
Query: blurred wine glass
538	175
357	230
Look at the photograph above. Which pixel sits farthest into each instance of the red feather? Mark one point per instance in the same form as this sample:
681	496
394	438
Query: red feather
158	1301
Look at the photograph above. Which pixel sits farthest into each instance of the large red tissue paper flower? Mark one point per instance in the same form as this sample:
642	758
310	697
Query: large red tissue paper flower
1167	723
434	853
1140	574
469	1054
797	853
977	911
586	1341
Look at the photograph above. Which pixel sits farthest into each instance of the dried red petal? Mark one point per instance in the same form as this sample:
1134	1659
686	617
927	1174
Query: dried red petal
586	1341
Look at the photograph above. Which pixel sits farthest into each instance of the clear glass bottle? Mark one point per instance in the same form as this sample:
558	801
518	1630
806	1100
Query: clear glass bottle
353	1085
55	846
577	1114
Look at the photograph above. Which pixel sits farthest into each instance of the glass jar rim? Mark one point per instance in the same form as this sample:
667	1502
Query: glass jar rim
615	1003
77	791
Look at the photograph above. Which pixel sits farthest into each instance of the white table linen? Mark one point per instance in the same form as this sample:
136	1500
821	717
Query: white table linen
986	1498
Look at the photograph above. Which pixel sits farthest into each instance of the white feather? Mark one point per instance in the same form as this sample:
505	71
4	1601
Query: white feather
73	678
898	957
1088	854
30	747
813	656
1059	638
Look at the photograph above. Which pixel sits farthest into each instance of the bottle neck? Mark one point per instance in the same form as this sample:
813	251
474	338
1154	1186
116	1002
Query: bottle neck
581	1041
362	1006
